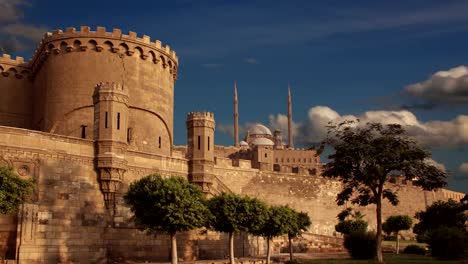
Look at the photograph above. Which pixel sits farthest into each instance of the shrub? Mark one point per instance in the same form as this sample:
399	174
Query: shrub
361	245
448	243
414	249
348	226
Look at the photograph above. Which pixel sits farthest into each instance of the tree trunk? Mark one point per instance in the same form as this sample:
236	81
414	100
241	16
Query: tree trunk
174	258
290	248
231	248
397	243
379	229
268	251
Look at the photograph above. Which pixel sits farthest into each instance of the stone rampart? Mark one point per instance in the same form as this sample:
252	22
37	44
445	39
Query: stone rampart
15	92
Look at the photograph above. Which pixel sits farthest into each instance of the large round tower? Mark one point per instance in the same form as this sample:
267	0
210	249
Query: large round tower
67	66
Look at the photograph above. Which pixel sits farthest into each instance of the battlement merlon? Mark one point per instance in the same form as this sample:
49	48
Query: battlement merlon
110	91
200	119
9	62
192	115
101	33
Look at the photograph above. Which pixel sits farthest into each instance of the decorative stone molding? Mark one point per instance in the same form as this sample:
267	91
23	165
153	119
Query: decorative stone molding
110	180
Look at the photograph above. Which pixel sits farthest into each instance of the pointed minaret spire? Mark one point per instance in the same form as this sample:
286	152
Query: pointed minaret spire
236	117
290	128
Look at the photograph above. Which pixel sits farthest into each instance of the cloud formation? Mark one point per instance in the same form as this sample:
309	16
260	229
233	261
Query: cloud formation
441	134
463	168
10	10
15	35
443	87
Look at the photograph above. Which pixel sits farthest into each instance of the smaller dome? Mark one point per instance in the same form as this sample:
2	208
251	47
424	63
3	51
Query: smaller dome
263	142
243	143
260	129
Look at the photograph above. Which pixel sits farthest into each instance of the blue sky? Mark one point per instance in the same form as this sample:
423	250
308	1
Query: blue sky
376	60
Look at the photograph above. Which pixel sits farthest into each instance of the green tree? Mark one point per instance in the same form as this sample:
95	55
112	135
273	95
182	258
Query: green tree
13	190
347	225
169	205
301	221
278	222
232	213
440	214
365	156
396	223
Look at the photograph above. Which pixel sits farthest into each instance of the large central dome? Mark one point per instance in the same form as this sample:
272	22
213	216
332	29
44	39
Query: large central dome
259	129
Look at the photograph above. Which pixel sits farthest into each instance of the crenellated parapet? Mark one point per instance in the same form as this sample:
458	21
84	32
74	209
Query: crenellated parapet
85	40
17	67
110	91
200	119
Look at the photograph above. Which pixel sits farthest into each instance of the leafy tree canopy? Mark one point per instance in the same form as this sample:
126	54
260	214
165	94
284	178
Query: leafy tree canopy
13	190
350	222
397	223
278	222
440	214
301	222
169	205
365	156
232	213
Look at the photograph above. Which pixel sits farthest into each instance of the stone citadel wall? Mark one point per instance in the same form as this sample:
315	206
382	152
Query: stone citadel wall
67	219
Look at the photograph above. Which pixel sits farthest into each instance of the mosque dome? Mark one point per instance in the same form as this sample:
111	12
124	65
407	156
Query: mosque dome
260	129
243	143
263	142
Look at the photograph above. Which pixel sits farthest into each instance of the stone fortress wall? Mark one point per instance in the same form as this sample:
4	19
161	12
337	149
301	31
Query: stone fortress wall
45	103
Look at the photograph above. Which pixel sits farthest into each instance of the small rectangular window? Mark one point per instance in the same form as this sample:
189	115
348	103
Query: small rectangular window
198	142
83	131
266	155
129	134
106	121
118	121
159	141
208	143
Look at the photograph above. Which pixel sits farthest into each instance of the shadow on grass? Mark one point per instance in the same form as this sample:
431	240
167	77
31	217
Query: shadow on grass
390	259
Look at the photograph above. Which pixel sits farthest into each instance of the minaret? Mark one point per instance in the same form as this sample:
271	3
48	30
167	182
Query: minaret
290	128
236	118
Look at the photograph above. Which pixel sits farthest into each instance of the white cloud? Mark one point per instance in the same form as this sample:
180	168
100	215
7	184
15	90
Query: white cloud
463	168
438	165
251	61
449	86
228	129
445	134
10	10
26	31
14	34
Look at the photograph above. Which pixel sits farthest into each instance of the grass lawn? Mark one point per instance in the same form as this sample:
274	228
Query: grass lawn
391	259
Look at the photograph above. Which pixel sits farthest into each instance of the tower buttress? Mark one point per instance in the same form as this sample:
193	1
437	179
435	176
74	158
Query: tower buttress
290	128
236	117
200	144
110	136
